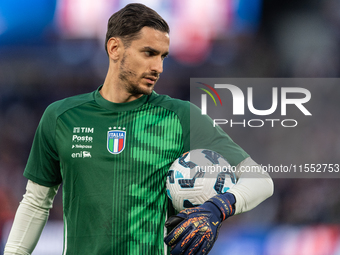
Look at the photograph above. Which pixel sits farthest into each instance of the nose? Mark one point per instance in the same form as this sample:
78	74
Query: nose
157	65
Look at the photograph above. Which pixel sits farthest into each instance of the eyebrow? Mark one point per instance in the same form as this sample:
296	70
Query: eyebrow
155	51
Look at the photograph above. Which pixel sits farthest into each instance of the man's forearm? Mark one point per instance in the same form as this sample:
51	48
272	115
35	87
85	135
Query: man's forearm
252	187
30	219
27	226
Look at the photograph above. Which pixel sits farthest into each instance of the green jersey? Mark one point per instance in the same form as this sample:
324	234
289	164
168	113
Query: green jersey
112	160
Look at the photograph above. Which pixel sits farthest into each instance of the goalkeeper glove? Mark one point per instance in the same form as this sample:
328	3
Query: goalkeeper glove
196	228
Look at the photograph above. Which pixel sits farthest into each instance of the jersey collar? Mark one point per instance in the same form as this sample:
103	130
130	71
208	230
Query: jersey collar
120	107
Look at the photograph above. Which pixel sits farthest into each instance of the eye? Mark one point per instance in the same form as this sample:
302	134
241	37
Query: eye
149	53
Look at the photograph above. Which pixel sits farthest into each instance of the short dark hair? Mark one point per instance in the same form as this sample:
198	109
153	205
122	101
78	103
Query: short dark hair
127	23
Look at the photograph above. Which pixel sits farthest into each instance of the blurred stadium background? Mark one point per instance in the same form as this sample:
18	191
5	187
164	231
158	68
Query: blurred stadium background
51	49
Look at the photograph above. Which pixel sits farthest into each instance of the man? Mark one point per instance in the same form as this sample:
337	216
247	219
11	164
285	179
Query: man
112	149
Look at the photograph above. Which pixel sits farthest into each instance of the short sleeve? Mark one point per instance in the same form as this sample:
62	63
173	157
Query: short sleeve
43	165
203	135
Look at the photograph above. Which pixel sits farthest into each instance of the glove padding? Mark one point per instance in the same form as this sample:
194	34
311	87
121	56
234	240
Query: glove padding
196	228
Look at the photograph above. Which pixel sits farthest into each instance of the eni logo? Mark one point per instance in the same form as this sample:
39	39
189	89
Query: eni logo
204	97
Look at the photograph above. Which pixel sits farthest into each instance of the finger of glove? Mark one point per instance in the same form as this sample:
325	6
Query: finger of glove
191	241
202	242
182	247
173	221
178	233
203	248
195	246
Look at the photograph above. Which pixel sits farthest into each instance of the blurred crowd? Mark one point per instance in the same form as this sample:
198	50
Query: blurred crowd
293	40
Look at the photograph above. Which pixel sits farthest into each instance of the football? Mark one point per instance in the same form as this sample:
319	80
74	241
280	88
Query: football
196	176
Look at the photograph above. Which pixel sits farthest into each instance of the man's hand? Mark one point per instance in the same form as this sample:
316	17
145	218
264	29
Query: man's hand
196	228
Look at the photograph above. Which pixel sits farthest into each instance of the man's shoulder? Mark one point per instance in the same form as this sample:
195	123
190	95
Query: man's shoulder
59	107
170	103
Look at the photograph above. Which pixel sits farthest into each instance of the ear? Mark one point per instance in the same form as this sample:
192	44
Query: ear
114	46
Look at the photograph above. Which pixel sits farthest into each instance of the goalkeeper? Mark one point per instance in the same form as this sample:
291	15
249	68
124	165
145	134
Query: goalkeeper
111	150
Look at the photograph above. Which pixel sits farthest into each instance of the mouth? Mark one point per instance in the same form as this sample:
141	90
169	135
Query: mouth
150	79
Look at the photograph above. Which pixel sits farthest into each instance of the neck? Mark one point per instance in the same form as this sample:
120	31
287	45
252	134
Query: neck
114	92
